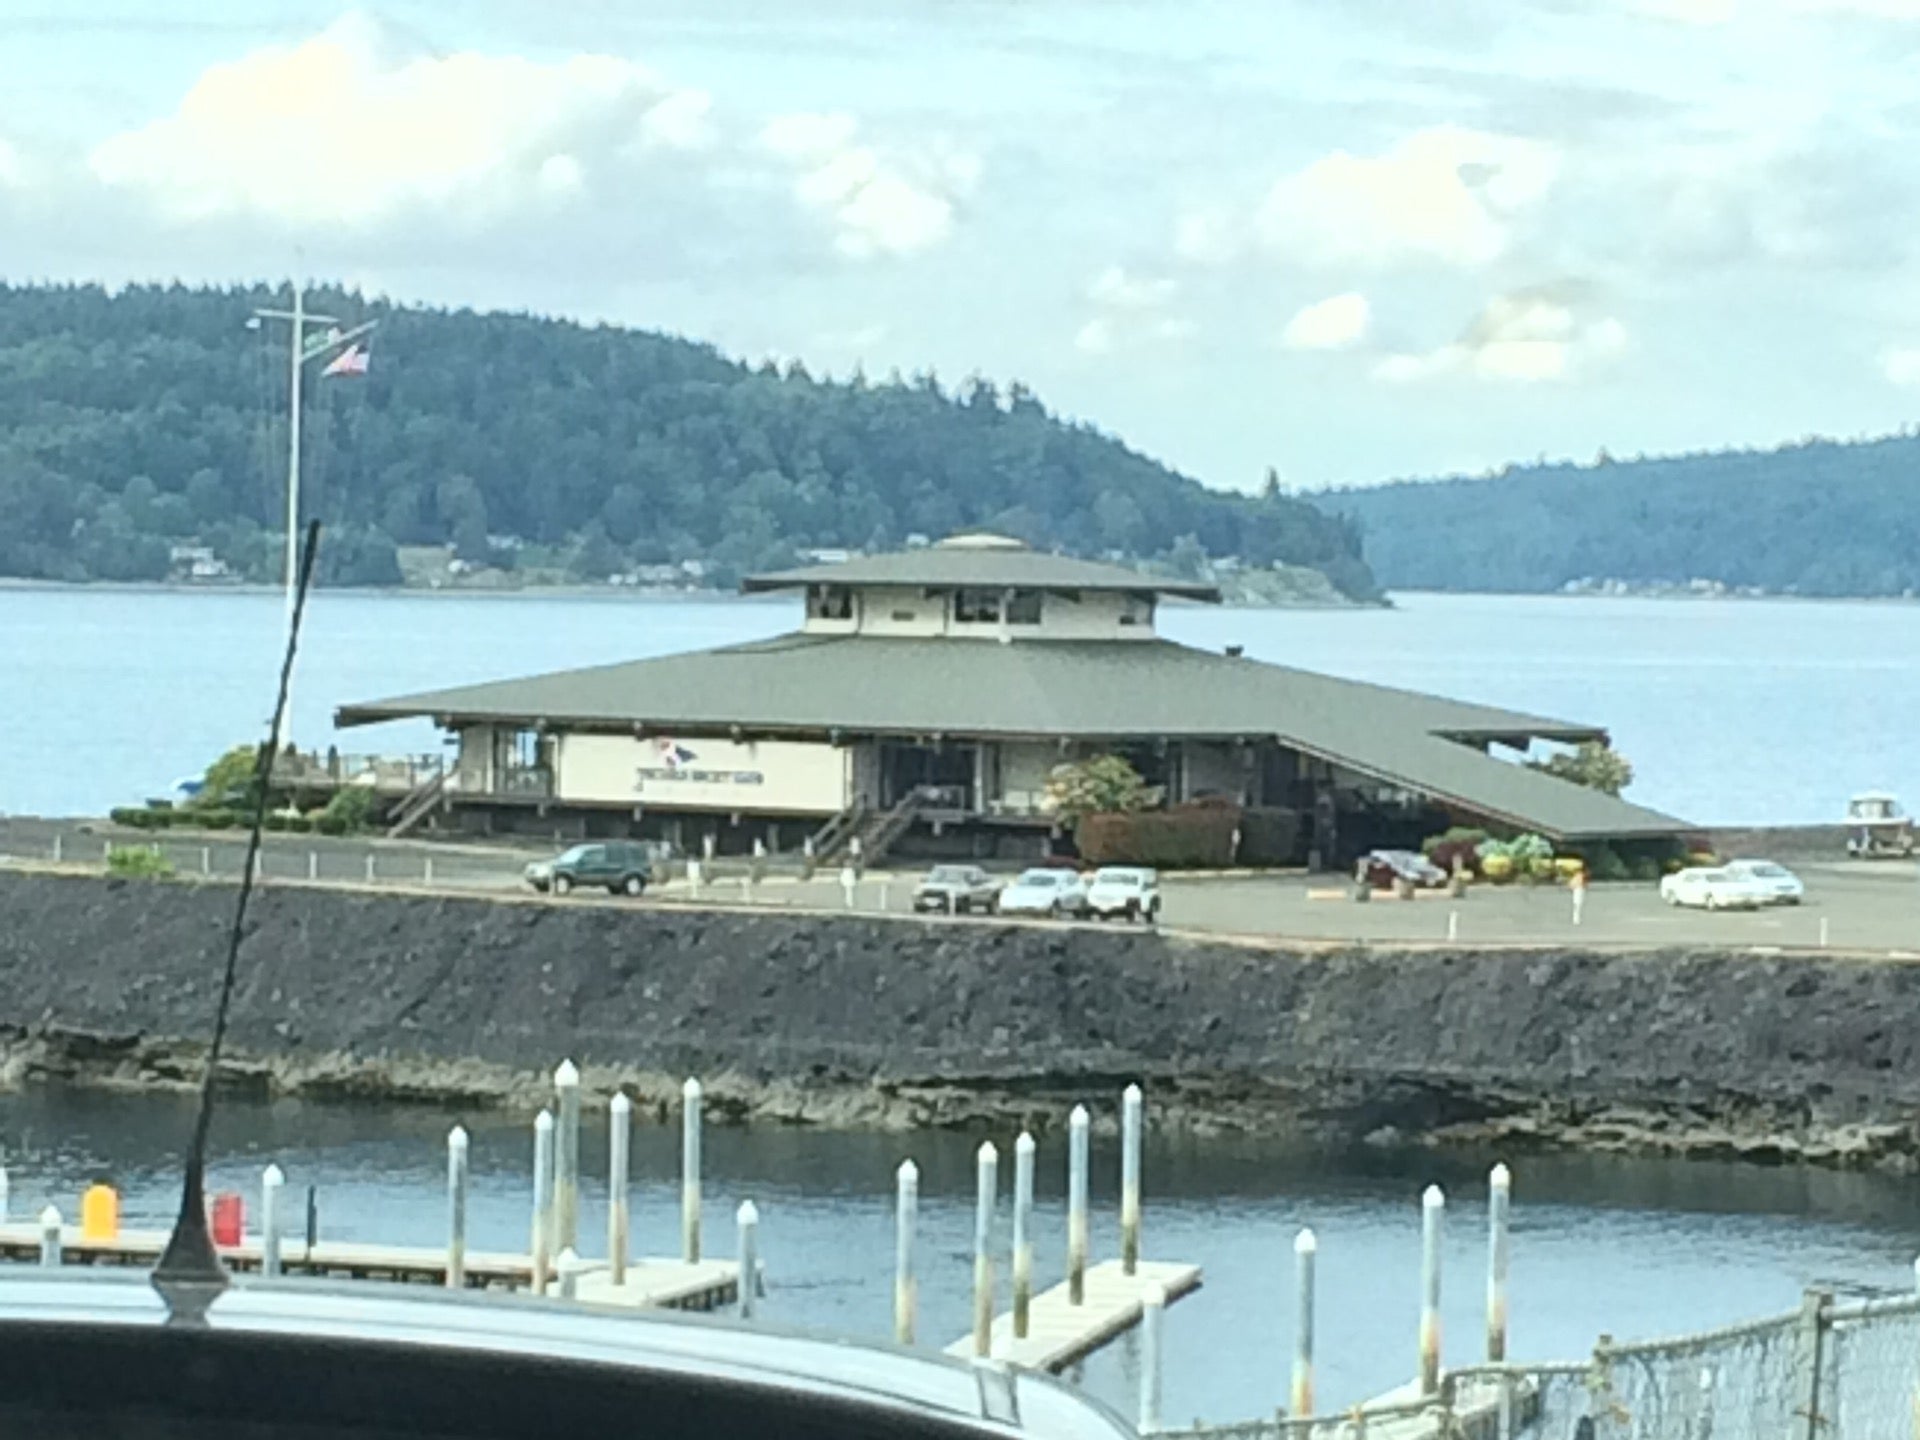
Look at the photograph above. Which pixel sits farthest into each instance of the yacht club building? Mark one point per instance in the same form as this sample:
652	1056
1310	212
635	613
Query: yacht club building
927	697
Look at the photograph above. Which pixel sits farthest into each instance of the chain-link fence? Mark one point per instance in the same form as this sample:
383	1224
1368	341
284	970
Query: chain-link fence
1827	1371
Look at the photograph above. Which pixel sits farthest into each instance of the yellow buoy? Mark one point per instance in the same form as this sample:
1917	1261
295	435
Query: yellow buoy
99	1213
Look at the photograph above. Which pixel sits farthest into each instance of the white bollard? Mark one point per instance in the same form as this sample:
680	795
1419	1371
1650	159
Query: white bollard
1432	1208
56	847
570	1268
1130	1124
457	1172
272	1182
369	867
1305	1253
1823	932
50	1235
313	865
1499	1203
542	1200
206	860
4	1194
1153	1315
1022	1234
566	1157
906	1216
748	1219
1453	925
426	870
886	893
619	1190
690	1172
1077	1126
986	1194
848	883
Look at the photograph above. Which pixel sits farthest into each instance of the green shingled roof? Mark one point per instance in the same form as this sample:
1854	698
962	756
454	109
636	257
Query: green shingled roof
1099	689
987	567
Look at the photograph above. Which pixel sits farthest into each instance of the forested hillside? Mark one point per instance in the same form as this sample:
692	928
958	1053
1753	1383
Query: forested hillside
1822	518
137	424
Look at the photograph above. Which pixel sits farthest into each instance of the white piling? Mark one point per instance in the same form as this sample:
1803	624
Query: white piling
1432	1208
906	1216
619	1196
566	1157
748	1220
1131	1105
313	865
50	1235
273	1181
1305	1252
986	1194
570	1268
1453	925
1499	1204
690	1171
1153	1314
1077	1125
542	1200
1022	1234
457	1171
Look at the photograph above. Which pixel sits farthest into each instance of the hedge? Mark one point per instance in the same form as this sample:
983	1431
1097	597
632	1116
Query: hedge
1198	837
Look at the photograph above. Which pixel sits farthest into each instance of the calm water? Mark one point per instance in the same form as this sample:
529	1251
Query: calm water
1733	712
1635	1248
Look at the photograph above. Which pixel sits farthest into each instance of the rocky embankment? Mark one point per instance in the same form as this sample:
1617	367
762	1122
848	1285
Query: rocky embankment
847	1021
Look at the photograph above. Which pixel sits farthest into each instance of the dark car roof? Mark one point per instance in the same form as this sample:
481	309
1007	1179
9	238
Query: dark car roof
104	1323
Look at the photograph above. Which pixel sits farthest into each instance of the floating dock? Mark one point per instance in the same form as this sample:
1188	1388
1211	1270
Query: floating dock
1060	1333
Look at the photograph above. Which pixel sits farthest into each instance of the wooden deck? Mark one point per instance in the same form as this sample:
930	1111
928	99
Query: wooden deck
1060	1334
1475	1414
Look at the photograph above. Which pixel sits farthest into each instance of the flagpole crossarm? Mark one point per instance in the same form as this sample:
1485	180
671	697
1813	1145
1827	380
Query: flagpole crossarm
321	344
307	315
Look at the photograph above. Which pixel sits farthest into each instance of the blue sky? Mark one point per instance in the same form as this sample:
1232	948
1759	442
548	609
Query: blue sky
1352	241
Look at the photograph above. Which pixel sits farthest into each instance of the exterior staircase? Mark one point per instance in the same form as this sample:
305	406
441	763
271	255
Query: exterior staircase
421	801
878	831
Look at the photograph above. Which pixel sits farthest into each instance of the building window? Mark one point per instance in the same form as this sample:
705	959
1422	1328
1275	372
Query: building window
1137	610
1023	607
829	602
976	607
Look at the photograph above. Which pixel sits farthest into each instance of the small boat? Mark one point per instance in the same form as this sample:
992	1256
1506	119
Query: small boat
1877	826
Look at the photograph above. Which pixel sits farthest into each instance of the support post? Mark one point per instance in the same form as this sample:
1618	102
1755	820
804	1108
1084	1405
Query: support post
986	1194
1432	1208
1305	1253
619	1187
1808	1421
1022	1234
50	1235
690	1171
566	1158
1153	1315
906	1216
748	1219
1077	1127
456	1208
542	1200
1131	1105
1499	1201
273	1181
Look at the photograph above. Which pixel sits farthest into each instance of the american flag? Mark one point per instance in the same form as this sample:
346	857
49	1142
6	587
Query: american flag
350	361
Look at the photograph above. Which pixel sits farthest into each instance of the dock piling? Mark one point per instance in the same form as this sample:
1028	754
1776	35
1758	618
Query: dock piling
1022	1234
566	1157
1306	1251
273	1181
986	1195
457	1171
1499	1204
542	1200
690	1171
1432	1209
619	1188
1153	1316
50	1235
1131	1105
748	1220
1077	1127
906	1217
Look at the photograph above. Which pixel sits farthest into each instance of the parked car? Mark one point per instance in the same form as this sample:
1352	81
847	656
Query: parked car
1381	868
956	890
1045	891
621	867
1713	889
1125	892
1780	883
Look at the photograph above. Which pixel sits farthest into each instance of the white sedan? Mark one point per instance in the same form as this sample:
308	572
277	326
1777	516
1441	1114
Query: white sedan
1043	891
1783	887
1716	889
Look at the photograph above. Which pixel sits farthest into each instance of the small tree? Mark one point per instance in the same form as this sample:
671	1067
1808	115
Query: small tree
229	780
1592	763
1103	785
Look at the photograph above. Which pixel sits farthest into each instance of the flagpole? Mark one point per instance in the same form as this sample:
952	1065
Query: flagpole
297	348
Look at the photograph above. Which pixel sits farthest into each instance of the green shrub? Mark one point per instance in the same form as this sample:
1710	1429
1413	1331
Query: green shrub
330	824
1270	835
1606	863
298	824
352	807
133	815
138	862
216	819
1460	848
275	820
1645	867
1191	837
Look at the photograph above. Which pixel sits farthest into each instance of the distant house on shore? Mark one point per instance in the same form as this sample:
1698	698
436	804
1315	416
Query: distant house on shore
928	696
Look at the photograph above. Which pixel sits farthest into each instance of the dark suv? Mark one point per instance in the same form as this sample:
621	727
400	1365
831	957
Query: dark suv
621	867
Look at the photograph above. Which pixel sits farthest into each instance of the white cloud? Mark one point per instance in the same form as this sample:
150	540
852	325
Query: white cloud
1206	238
1445	194
1690	12
1901	365
1524	337
1113	288
1335	323
880	205
1130	310
1095	337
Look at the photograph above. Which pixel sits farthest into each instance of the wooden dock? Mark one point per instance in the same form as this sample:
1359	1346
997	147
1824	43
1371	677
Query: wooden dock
651	1283
1060	1334
1474	1414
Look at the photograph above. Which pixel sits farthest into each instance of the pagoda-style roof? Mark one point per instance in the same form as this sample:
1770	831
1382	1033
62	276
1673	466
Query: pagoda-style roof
987	562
